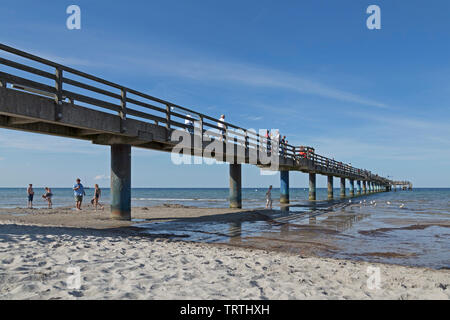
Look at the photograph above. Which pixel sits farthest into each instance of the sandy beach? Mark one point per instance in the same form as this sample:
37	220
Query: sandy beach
61	254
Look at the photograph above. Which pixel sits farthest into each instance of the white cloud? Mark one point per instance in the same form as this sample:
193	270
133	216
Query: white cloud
102	177
40	142
243	74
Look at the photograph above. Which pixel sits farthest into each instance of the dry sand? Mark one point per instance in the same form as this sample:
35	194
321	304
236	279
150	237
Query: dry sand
41	255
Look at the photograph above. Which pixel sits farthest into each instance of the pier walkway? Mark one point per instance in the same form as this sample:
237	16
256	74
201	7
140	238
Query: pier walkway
41	96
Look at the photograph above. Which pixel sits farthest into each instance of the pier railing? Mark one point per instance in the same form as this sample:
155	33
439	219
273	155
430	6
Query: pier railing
64	84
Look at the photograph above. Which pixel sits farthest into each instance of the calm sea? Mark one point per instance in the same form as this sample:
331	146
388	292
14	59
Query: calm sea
145	197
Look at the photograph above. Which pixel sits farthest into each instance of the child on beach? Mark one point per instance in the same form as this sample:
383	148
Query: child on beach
269	198
30	193
48	196
97	195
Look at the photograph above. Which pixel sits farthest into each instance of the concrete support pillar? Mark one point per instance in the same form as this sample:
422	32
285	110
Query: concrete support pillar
352	188
284	186
312	186
235	185
364	187
121	181
358	187
330	188
342	187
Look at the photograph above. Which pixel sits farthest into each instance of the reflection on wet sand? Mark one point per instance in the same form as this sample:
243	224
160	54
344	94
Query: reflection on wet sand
332	228
235	232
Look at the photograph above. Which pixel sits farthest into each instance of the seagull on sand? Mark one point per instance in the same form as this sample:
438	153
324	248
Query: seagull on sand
388	202
401	206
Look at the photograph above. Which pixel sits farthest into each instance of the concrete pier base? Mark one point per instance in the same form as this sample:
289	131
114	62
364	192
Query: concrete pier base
352	188
312	186
235	185
121	181
342	187
284	186
364	187
358	187
330	187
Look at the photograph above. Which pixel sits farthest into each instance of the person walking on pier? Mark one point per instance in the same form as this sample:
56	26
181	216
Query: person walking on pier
48	196
268	142
269	198
222	127
190	124
283	146
30	193
97	195
79	193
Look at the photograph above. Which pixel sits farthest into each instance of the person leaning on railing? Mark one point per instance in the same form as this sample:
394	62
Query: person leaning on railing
283	146
302	152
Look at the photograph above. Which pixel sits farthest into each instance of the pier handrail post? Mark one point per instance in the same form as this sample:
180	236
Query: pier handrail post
246	140
59	92
168	112
201	134
123	110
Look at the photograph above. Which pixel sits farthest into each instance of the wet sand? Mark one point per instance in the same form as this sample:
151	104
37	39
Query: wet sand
41	251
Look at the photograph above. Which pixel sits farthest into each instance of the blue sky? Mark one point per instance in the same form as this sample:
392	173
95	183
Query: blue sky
379	99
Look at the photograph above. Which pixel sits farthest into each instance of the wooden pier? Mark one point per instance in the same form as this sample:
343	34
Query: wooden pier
41	96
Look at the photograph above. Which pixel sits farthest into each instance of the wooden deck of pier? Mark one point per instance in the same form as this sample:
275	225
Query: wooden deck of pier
41	96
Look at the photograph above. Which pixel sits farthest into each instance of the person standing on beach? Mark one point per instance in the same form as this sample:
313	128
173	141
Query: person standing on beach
78	191
97	195
30	193
48	196
269	198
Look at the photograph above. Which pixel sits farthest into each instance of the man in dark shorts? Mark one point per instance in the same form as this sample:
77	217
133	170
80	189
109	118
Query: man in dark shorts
30	193
78	191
